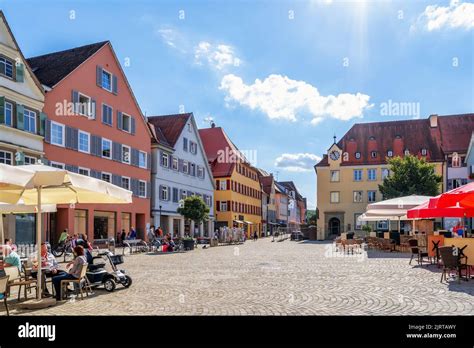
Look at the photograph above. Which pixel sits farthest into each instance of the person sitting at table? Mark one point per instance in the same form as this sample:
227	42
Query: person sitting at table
73	273
10	257
9	242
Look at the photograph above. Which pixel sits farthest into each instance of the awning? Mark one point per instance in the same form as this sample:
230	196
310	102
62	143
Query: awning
248	222
423	211
238	221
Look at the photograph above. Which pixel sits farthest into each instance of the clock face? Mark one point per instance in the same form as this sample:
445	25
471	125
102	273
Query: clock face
334	155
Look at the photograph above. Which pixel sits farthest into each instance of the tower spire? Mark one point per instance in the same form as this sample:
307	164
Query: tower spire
334	138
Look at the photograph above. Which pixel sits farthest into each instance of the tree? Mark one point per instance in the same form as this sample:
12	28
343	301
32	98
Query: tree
194	209
410	175
311	217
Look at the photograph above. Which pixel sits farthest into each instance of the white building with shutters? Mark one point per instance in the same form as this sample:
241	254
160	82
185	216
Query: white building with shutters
179	169
22	122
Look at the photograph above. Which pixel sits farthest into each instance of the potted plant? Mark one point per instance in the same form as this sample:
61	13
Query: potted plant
188	243
196	210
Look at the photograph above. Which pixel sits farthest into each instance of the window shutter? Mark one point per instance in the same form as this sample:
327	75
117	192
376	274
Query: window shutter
117	180
42	123
75	101
119	120
75	138
218	206
20	109
134	186
180	165
93	109
132	125
104	113
68	140
148	161
47	131
99	76
134	157
217	185
228	206
72	168
160	195
2	110
20	72
110	116
116	151
114	85
185	144
148	189
96	145
160	159
228	184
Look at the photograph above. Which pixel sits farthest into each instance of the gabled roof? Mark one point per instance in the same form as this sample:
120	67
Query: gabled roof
168	128
28	67
267	183
456	132
290	185
51	68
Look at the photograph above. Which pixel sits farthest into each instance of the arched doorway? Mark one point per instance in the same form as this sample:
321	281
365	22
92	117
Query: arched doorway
334	225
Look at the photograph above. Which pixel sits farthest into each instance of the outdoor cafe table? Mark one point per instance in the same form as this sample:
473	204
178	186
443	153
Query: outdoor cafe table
461	243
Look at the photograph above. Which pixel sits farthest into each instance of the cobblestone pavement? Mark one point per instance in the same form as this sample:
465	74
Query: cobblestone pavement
270	278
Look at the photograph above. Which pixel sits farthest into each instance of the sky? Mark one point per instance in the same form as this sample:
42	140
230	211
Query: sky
281	77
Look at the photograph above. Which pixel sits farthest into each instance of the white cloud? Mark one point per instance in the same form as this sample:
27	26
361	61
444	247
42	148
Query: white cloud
218	56
280	97
456	15
297	162
168	36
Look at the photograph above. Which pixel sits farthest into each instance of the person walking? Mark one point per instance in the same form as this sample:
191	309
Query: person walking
255	236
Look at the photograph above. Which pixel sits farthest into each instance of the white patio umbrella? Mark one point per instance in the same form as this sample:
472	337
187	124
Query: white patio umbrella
40	184
20	208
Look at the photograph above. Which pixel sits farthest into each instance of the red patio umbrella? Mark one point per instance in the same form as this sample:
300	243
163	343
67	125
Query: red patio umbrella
423	211
459	197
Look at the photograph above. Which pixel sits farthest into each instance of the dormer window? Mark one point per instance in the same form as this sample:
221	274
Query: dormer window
372	138
357	155
406	152
424	152
389	153
373	154
398	136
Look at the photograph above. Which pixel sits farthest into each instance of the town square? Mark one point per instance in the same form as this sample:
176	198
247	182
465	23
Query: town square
312	160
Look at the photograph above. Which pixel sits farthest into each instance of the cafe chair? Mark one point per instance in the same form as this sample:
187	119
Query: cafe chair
82	282
452	262
417	251
17	280
4	292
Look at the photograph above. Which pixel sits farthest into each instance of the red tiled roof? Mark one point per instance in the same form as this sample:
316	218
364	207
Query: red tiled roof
213	140
452	132
267	183
168	127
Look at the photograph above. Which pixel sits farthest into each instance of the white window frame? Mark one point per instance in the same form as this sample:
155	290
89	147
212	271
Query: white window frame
129	182
223	204
11	156
175	161
338	176
389	153
223	185
200	172
208	201
144	183
11	63
35	160
111	113
106	173
184	194
368	196
102	80
338	197
356	194
145	162
80	106
424	152
5	112
185	165
357	155
124	115
79	141
354	176
165	156
63	136
164	193
58	165
27	114
129	154
387	171
84	169
370	170
102	148
193	147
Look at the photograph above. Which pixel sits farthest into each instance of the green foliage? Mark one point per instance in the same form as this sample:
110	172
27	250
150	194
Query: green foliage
366	228
312	217
194	209
410	175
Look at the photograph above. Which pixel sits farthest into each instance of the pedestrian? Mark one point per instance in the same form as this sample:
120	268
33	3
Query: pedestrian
123	236
255	236
133	234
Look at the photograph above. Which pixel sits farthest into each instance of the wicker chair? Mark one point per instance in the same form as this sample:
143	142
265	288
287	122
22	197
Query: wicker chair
452	262
417	251
4	292
16	279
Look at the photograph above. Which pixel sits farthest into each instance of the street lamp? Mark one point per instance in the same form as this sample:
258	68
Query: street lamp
159	217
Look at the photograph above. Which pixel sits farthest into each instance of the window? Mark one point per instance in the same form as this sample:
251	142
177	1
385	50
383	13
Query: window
83	141
357	223
183	194
389	153
106	177
8	112
358	196
126	123
406	152
107	80
164	194
186	167
165	159
106	148
141	188
29	121
6	157
57	134
371	196
189	127
373	154
193	147
223	206
357	155
455	160
57	165
185	144
6	67
334	198
372	174
84	171
107	114
424	152
385	173
175	163
357	174
142	159
85	105
125	183
200	172
223	185
30	160
334	175
126	154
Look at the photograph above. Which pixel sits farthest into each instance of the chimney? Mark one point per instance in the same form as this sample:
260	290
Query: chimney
434	120
213	125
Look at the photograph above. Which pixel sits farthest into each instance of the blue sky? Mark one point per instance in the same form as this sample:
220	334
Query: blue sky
281	77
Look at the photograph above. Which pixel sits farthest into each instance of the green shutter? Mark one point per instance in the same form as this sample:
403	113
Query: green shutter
20	72
20	109
42	124
2	110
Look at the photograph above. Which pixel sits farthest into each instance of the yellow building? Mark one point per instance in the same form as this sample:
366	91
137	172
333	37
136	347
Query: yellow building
237	198
349	174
